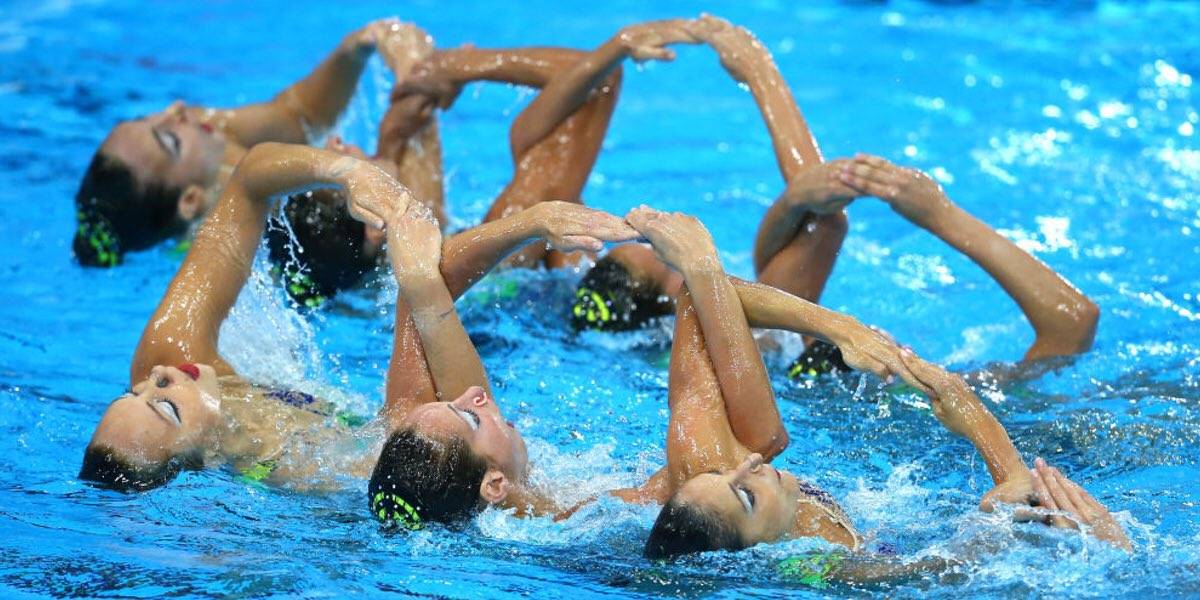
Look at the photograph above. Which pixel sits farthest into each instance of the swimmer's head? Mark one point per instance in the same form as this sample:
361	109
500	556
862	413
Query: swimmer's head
818	359
149	179
609	299
331	250
726	510
447	461
162	426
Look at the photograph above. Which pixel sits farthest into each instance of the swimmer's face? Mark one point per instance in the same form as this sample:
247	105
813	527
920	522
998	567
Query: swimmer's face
169	148
164	415
476	419
757	499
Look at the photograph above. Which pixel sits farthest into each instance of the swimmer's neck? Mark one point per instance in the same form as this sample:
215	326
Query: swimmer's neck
528	502
229	161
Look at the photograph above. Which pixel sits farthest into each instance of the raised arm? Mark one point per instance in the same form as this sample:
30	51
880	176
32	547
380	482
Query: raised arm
185	325
812	201
570	87
311	105
682	242
1063	319
962	413
425	361
414	247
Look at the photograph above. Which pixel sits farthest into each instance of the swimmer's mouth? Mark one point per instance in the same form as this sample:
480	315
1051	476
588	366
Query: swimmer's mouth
190	370
168	408
207	128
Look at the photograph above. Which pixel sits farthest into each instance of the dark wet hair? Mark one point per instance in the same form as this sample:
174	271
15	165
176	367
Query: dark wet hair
818	359
325	255
115	213
418	479
609	299
107	467
684	528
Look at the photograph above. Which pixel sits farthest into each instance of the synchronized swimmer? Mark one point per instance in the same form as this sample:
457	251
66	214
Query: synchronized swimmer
440	449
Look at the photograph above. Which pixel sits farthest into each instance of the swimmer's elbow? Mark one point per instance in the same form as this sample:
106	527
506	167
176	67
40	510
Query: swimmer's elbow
775	444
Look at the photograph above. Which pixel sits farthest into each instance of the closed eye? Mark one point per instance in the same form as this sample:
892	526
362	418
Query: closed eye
470	417
169	142
746	497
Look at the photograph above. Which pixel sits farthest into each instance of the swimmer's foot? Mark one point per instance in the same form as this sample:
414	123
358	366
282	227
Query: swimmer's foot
678	239
414	242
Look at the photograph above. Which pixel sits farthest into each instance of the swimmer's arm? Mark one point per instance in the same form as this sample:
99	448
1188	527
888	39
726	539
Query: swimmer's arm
741	375
961	412
1063	319
312	105
747	60
862	347
187	321
532	67
468	256
570	87
451	357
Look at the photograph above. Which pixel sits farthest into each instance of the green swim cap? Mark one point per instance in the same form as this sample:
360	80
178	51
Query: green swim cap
99	236
391	508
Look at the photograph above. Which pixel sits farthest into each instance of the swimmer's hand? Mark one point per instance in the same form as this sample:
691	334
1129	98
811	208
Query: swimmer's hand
372	194
648	41
1075	507
402	46
429	81
910	192
867	349
569	227
953	402
414	243
678	239
736	46
820	189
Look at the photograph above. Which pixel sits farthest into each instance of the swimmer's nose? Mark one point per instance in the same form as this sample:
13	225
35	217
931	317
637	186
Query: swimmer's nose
751	464
756	461
175	110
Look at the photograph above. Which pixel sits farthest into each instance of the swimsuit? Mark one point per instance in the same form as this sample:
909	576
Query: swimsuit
263	469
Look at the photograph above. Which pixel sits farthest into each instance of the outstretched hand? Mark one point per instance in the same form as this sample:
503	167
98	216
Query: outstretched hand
414	242
820	188
372	194
1077	507
569	227
867	349
648	41
735	46
954	404
910	192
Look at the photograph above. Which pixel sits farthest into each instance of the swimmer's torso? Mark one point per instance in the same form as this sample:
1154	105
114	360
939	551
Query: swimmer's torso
287	436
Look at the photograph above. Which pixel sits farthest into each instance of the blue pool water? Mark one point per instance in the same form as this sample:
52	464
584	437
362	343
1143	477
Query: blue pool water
1072	128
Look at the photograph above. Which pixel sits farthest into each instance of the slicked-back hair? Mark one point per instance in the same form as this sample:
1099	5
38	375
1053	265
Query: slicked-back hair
440	479
107	467
684	528
134	214
629	303
316	235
